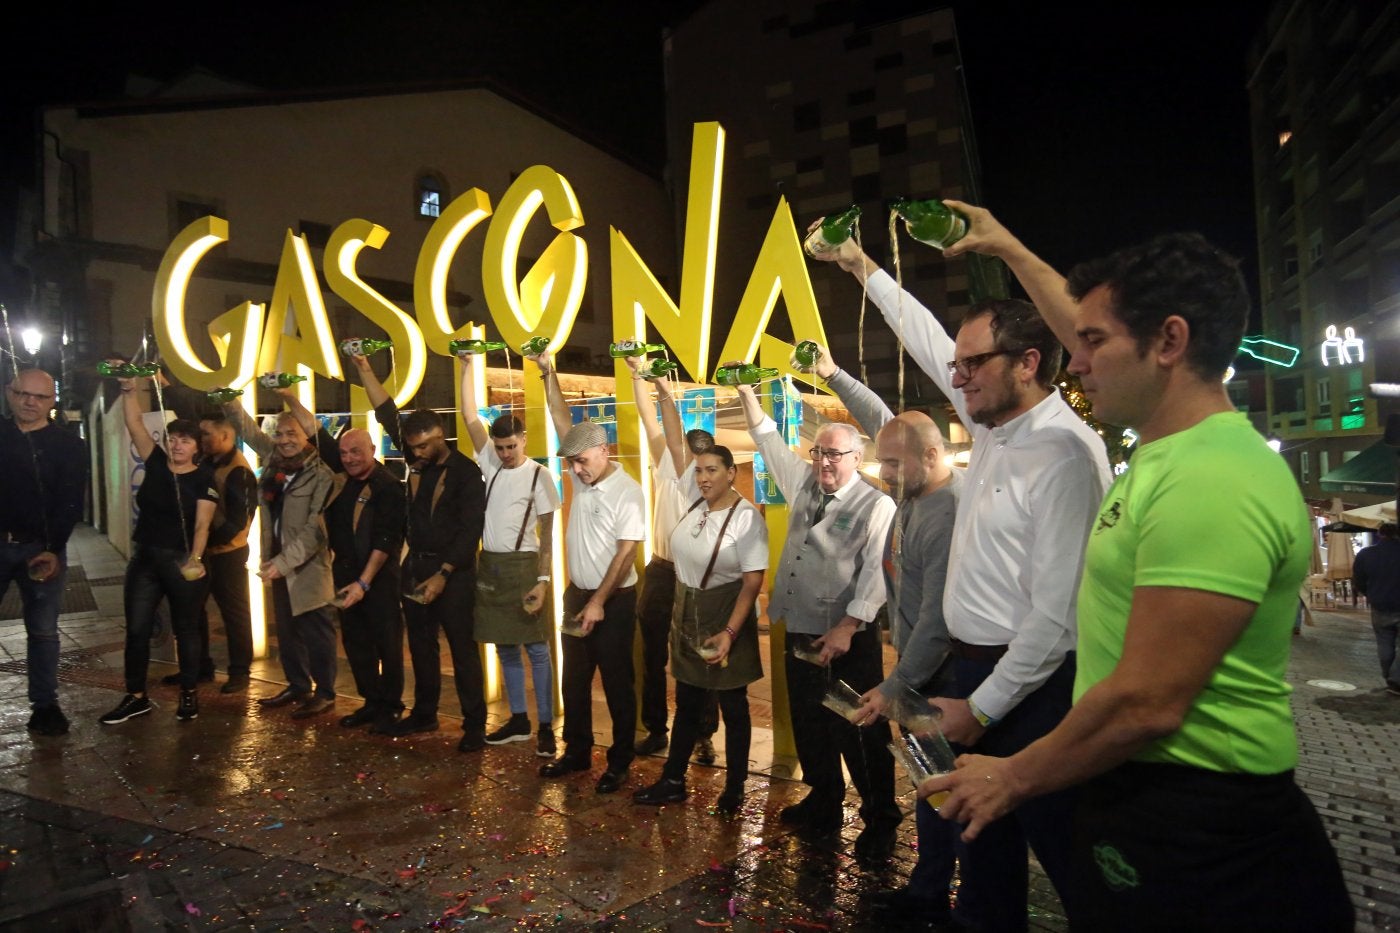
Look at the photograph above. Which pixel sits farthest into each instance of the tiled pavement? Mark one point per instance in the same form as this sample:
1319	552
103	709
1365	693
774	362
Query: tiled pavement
247	820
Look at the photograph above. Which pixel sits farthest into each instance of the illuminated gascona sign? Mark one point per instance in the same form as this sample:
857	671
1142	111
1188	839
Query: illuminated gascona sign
292	333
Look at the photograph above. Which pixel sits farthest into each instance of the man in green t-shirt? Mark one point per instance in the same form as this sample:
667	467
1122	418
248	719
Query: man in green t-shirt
1181	738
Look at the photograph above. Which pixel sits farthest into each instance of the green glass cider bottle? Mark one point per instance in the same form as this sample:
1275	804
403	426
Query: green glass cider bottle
127	370
534	346
458	347
805	356
224	396
658	368
743	374
634	347
363	346
832	232
279	380
931	222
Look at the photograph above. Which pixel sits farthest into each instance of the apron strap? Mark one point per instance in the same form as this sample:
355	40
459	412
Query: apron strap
718	541
529	505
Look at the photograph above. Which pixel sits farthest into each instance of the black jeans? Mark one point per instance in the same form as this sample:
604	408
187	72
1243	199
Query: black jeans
692	706
992	895
654	619
228	587
452	613
372	632
153	574
824	738
608	650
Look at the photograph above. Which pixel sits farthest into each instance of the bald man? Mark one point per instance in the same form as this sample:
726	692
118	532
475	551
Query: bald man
43	473
910	449
365	524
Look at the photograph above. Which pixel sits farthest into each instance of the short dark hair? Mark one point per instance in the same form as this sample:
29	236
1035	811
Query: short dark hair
726	456
218	419
699	440
1017	326
422	421
1180	274
507	426
1388	530
185	427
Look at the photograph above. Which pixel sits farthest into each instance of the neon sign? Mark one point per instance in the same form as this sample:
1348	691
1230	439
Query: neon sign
1270	351
1342	347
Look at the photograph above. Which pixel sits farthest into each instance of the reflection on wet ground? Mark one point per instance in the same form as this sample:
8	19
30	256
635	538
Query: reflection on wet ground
247	819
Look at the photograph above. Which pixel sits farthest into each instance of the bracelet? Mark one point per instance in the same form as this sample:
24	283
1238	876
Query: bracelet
731	633
541	579
364	587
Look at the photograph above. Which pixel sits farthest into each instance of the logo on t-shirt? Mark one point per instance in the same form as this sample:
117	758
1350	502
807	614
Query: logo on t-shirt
1116	871
1109	516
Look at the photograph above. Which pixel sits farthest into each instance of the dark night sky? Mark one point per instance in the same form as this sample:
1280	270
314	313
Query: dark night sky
1098	123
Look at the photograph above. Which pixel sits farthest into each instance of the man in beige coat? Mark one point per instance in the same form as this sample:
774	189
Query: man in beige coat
294	488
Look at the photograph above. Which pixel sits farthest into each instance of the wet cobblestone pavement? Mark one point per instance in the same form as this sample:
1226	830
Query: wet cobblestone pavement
246	819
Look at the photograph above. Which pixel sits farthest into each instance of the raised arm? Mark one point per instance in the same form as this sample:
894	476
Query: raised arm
788	470
304	417
378	395
471	413
248	430
656	442
672	428
869	410
558	408
131	412
1043	284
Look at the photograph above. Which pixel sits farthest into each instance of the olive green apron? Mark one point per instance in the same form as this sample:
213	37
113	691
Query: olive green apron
698	613
502	580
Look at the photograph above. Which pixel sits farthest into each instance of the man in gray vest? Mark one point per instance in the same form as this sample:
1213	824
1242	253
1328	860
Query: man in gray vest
827	591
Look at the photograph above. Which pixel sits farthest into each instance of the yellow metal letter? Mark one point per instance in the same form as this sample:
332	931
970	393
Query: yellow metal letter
302	343
235	333
435	261
410	353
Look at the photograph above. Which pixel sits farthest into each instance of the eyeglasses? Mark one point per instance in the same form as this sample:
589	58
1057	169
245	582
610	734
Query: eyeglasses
968	366
830	456
32	396
700	525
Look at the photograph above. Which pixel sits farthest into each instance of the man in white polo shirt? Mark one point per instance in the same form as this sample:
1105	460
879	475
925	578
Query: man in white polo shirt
606	522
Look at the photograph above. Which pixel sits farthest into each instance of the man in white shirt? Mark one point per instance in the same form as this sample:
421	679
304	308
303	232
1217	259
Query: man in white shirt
828	589
517	551
1033	487
607	520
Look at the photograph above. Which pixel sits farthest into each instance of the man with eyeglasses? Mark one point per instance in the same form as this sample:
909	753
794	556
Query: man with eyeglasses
827	592
43	475
1034	482
1181	739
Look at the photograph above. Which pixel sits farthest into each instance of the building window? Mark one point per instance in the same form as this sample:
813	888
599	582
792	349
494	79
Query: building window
1304	468
1323	463
431	195
1324	396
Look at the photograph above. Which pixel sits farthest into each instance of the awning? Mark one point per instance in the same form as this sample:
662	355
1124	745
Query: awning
1370	516
1372	471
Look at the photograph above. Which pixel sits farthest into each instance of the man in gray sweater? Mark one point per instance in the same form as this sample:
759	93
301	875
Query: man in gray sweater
910	449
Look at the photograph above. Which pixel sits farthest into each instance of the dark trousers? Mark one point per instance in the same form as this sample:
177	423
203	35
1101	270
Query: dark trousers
607	649
153	574
228	587
305	644
654	619
824	738
692	704
1166	847
992	895
372	632
452	614
42	604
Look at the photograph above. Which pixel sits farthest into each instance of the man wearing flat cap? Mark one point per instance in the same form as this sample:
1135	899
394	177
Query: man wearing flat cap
606	521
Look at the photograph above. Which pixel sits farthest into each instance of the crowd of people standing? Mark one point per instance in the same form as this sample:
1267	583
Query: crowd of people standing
1107	655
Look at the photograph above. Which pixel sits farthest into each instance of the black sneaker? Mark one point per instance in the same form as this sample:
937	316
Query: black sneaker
653	743
516	729
171	680
48	720
236	683
666	790
129	708
189	706
472	742
544	741
705	751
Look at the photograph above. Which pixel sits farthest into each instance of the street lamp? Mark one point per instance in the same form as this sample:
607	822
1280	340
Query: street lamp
33	339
